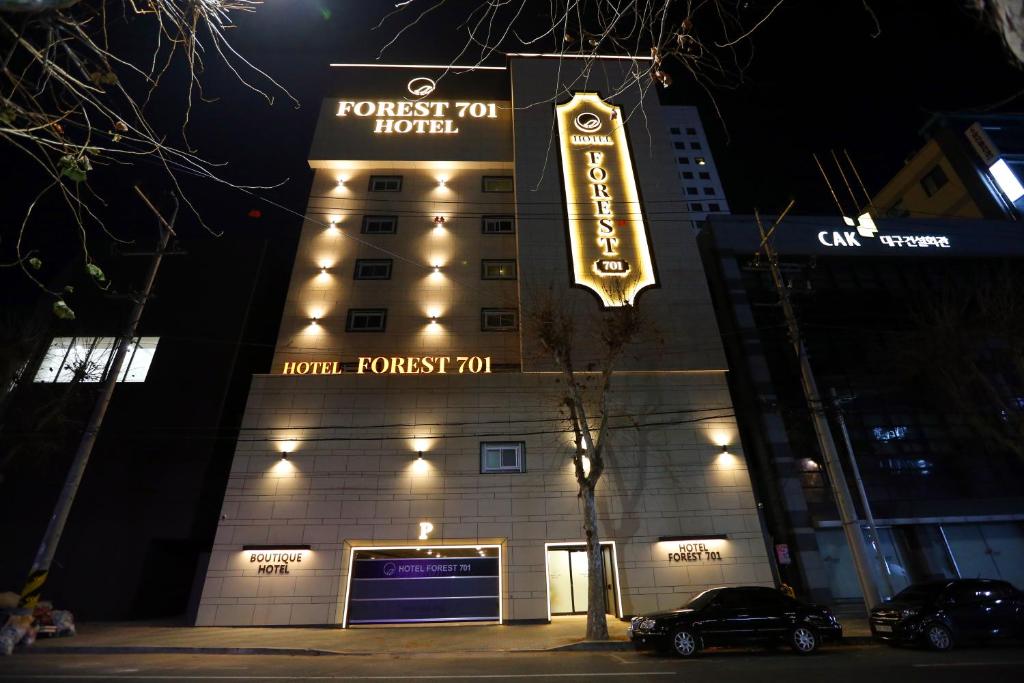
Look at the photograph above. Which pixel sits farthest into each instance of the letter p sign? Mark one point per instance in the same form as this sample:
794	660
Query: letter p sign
425	529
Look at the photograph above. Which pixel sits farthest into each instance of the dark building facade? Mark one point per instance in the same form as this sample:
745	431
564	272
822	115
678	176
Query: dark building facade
888	319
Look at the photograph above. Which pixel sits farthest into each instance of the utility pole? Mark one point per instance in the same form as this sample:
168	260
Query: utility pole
48	546
883	568
840	490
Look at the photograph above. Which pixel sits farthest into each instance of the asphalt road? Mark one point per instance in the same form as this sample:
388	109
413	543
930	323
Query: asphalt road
834	665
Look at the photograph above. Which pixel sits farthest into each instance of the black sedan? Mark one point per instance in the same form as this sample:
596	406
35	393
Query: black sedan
941	613
736	616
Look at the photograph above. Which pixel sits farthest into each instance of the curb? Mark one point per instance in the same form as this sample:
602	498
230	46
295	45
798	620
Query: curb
593	646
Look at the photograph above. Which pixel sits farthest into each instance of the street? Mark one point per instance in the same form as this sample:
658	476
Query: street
850	664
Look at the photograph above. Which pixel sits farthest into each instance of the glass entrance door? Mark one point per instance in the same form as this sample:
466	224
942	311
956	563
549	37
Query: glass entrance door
569	576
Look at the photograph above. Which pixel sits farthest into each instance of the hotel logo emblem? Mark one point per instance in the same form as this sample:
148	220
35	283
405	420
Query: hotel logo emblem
421	86
611	254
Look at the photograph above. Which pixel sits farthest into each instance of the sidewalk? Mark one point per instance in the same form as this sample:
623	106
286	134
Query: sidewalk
564	633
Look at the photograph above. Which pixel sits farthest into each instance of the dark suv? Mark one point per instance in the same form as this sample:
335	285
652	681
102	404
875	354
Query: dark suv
736	616
941	613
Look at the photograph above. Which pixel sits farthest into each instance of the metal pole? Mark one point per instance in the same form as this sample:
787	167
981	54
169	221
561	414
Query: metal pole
48	546
883	567
840	490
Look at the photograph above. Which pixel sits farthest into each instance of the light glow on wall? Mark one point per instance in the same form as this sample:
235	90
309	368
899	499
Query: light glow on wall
611	253
1007	180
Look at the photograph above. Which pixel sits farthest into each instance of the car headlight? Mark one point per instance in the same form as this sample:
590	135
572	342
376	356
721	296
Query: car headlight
908	612
647	624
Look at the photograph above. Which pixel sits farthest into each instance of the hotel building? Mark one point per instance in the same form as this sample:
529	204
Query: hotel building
406	459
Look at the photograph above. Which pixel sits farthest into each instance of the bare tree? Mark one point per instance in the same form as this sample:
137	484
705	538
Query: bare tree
585	394
75	81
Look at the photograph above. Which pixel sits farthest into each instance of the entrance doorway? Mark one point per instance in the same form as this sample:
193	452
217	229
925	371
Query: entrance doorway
569	576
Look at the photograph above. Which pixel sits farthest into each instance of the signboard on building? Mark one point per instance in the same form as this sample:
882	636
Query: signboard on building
610	249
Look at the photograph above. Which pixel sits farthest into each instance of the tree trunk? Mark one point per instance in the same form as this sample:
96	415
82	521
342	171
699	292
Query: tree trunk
597	624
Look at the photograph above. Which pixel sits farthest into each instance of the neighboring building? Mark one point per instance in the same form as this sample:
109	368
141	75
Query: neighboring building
695	165
946	503
969	167
410	429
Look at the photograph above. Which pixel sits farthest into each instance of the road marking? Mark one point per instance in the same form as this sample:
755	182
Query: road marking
439	677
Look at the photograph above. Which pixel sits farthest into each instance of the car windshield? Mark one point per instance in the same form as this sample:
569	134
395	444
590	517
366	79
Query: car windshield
920	591
701	599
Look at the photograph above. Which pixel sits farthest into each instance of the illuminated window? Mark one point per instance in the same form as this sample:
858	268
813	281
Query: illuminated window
704	175
373	269
495	269
709	190
380	225
683	160
696	206
366	319
674	131
687	175
691	131
695	145
385	183
88	359
498	225
498	183
714	207
502	457
934	180
700	161
497	319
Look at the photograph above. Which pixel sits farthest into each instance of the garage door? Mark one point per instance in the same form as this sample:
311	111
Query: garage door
407	585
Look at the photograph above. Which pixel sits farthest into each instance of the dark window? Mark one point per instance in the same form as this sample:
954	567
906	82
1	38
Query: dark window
696	206
679	145
768	598
695	145
498	225
704	175
691	190
714	207
674	131
933	180
497	319
498	269
380	225
373	269
366	319
730	598
691	131
709	190
498	183
385	183
683	160
503	457
687	175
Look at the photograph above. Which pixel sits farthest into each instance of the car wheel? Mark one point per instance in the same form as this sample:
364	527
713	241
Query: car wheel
684	642
938	637
803	640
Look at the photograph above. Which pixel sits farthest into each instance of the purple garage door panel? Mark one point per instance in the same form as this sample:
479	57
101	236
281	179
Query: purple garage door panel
394	590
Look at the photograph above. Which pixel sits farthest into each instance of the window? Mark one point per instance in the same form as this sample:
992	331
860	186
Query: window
687	175
683	160
373	269
498	225
674	131
498	183
88	359
696	206
691	131
709	190
497	319
691	190
714	207
380	225
502	457
695	145
366	319
933	180
498	269
385	183
700	161
679	145
704	175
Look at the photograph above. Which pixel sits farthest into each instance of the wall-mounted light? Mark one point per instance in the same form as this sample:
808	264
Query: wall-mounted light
419	456
440	220
704	537
314	321
433	320
725	449
442	182
286	448
341	183
323	270
437	268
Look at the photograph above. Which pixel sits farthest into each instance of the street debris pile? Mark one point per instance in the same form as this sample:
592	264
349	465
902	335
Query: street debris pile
22	625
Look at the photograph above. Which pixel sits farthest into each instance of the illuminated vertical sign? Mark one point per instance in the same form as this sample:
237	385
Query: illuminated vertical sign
611	254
